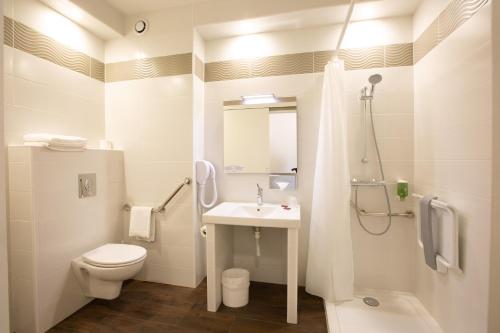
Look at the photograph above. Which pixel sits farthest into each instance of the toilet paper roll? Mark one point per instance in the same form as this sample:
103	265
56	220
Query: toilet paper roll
203	231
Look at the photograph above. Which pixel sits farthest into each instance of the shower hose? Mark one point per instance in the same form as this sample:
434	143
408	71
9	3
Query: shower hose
389	210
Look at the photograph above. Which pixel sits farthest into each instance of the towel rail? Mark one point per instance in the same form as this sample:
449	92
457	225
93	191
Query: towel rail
449	259
435	203
161	207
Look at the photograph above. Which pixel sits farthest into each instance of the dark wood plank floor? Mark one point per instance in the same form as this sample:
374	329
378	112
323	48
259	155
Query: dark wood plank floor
145	307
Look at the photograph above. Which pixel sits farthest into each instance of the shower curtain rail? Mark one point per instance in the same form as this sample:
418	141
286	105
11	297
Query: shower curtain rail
344	28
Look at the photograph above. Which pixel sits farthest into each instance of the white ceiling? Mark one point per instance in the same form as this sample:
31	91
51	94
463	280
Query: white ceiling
132	7
313	17
225	18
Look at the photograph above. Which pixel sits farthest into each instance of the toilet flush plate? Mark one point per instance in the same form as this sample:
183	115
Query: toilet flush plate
87	186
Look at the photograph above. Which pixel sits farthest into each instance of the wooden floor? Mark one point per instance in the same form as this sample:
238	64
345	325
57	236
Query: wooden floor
145	307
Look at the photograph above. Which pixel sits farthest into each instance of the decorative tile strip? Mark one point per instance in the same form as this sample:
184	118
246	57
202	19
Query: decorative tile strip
321	58
97	69
177	64
372	57
456	14
199	68
309	62
228	70
8	31
26	39
33	42
449	20
397	55
453	16
287	64
426	42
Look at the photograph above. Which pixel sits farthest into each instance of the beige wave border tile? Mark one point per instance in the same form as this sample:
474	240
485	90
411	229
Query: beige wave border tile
456	14
363	58
8	31
428	40
97	69
199	68
228	70
321	58
310	62
39	45
287	64
176	64
450	19
397	55
26	39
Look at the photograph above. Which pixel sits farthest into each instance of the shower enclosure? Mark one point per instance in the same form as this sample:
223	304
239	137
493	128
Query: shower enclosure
379	309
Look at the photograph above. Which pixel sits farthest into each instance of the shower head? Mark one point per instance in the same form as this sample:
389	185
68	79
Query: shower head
374	79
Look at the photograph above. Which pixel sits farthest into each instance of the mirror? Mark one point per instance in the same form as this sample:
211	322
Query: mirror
260	138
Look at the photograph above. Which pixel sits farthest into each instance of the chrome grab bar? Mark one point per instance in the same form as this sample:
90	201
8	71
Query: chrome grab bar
161	207
357	183
408	214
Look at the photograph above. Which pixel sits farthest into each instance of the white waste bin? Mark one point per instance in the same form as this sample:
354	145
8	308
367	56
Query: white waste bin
235	284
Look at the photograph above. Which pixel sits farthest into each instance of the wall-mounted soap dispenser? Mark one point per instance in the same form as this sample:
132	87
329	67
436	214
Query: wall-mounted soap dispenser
402	189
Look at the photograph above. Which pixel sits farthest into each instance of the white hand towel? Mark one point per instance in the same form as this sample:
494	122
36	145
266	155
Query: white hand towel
55	141
142	223
64	148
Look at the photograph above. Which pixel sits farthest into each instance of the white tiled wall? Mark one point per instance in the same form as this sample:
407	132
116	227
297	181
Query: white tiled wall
49	226
453	150
40	96
152	121
38	16
380	262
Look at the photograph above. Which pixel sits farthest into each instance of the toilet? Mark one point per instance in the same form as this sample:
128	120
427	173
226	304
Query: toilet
101	272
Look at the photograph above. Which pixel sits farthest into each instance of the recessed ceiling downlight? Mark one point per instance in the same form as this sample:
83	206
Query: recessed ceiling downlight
141	26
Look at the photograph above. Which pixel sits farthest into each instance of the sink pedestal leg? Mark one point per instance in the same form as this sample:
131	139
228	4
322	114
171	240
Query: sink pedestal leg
219	258
292	275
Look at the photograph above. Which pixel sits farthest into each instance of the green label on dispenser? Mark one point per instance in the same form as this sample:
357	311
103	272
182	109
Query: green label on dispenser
402	190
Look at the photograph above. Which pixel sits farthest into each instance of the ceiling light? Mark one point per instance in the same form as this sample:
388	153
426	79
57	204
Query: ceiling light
259	99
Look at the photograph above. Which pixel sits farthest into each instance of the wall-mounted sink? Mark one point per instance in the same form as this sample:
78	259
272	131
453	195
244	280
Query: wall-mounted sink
250	214
220	221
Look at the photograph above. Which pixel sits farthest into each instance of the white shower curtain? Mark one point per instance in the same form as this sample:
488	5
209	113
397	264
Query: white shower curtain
330	258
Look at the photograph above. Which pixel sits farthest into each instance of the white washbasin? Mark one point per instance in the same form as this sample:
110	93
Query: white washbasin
250	214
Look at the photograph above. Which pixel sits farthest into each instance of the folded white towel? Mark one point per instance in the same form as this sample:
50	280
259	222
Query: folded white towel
142	223
64	148
55	141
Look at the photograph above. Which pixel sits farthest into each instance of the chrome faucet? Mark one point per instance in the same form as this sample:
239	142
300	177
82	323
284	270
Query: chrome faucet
259	195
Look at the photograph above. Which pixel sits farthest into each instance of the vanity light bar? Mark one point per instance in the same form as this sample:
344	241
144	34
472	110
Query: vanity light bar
270	101
259	99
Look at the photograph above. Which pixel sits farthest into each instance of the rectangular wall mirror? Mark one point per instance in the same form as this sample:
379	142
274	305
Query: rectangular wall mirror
260	136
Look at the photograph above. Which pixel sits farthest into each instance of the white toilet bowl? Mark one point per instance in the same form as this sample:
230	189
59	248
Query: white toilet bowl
101	272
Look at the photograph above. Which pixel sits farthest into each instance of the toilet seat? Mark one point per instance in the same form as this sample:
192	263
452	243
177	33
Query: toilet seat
114	255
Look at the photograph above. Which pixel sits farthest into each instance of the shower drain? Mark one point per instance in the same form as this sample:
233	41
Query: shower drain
370	301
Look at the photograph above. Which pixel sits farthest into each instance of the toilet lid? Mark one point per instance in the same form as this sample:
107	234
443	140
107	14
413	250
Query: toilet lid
112	255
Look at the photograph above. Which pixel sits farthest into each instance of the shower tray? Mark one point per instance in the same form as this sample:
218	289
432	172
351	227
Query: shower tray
397	312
